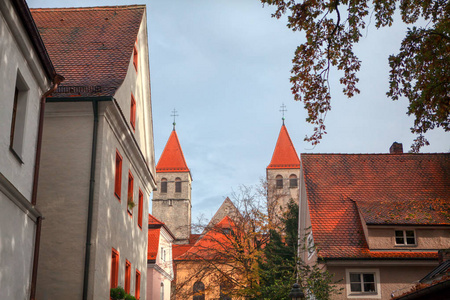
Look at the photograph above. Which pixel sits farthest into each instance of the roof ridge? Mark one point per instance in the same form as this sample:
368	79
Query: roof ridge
122	7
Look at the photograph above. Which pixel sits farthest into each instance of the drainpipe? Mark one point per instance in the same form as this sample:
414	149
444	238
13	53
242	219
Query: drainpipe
91	202
56	81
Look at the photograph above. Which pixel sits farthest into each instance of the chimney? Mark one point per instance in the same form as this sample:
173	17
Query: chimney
396	148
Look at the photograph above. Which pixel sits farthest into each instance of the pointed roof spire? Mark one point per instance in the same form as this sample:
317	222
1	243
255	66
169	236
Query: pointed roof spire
172	158
284	156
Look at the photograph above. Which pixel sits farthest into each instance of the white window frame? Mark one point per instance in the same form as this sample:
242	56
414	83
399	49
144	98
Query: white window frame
362	295
405	244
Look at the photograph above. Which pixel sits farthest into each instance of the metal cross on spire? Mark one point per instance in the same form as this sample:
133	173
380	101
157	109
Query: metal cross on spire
174	115
283	110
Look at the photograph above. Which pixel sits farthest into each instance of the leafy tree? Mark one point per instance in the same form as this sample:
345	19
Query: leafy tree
420	71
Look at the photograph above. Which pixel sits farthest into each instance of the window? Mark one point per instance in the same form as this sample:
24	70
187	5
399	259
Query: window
279	181
405	237
162	291
199	291
163	254
164	185
127	276
114	268
130	202
140	208
18	116
293	183
177	185
133	113
135	57
225	288
137	293
363	283
118	177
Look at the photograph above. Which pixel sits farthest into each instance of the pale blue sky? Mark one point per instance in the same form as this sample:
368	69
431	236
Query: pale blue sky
225	66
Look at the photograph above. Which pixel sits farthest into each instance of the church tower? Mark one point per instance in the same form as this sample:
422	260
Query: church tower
283	174
172	201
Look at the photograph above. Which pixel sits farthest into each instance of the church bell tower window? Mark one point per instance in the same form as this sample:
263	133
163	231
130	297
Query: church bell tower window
177	185
164	185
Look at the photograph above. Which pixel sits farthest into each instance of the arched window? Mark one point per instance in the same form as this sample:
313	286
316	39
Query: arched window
163	185
177	185
162	291
199	291
293	183
279	181
225	288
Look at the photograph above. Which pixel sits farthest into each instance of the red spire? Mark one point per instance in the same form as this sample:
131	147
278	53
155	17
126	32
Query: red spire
284	155
172	158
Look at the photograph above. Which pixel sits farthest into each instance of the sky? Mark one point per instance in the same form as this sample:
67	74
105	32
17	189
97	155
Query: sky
224	65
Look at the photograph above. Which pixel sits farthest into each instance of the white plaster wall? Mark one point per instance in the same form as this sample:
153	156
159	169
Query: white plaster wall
63	199
138	83
113	226
17	228
154	285
16	250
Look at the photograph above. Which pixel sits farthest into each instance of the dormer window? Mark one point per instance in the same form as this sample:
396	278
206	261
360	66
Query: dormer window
177	185
164	185
293	183
405	237
279	181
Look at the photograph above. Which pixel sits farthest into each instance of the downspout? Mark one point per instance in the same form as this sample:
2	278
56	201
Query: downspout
91	202
56	81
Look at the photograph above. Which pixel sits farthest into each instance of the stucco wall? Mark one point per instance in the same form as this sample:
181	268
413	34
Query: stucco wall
281	197
176	213
426	238
391	278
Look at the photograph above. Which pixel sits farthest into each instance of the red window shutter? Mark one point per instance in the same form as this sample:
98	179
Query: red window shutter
127	276
135	57
114	268
137	294
118	177
130	192
140	208
133	113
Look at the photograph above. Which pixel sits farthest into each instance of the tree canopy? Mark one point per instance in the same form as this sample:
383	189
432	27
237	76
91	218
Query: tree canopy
420	71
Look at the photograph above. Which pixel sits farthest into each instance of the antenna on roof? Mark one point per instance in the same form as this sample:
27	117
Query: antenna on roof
283	110
174	115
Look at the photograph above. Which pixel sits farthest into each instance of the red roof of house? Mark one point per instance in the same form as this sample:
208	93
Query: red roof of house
211	244
284	156
178	250
154	221
90	46
172	158
153	243
387	189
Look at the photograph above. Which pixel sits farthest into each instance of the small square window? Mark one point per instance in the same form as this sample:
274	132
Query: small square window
362	283
405	237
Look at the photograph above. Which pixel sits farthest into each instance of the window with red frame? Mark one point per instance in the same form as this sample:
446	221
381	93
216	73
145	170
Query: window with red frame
130	202
137	293
133	112
118	177
114	268
140	208
135	57
127	276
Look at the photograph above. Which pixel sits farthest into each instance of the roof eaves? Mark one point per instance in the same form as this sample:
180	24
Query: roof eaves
30	26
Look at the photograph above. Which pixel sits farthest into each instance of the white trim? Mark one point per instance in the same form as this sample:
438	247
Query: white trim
363	295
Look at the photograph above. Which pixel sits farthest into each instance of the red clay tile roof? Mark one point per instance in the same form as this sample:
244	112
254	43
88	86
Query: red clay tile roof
178	250
153	243
335	183
90	46
405	212
210	245
172	158
284	156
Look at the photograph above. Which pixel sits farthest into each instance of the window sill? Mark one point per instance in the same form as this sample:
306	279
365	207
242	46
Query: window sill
117	196
17	156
